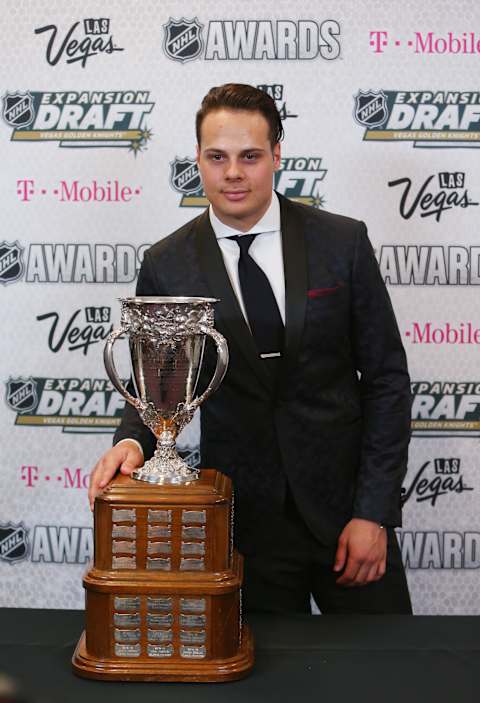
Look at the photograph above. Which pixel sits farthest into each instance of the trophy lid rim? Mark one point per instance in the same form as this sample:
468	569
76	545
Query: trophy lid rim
168	299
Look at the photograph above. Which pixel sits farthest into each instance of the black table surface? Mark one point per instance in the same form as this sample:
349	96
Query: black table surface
329	659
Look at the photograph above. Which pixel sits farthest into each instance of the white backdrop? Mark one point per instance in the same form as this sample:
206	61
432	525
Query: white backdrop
382	116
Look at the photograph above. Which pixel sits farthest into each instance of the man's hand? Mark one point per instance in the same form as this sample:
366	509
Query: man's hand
125	455
361	553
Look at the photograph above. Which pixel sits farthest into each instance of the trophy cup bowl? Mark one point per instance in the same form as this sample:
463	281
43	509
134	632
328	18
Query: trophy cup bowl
167	338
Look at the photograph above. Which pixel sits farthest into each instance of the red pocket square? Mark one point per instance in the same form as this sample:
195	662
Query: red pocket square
320	292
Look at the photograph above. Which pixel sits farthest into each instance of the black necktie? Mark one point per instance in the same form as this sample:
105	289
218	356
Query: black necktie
260	304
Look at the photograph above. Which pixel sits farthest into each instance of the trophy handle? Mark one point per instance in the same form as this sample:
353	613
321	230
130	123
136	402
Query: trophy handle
112	371
220	369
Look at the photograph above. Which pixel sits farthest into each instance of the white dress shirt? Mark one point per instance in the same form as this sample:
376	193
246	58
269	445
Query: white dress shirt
265	250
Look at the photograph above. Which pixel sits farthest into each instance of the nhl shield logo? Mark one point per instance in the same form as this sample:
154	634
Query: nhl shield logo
183	39
13	542
185	177
370	108
11	262
18	109
21	395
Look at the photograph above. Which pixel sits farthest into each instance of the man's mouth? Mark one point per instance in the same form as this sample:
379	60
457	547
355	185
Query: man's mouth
235	194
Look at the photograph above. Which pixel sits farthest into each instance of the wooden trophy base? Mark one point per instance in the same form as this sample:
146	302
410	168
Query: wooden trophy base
236	667
163	597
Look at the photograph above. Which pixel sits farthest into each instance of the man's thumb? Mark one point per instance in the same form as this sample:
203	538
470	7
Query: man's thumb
127	467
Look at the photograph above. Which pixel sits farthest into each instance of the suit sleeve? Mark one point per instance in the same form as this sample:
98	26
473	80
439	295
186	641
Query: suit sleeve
385	391
131	426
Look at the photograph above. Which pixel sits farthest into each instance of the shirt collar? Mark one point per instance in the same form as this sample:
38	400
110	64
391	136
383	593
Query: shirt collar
270	222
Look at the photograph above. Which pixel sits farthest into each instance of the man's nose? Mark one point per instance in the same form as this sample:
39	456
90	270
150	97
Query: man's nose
233	170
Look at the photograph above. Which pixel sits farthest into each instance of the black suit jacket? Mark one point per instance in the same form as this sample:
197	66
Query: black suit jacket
336	425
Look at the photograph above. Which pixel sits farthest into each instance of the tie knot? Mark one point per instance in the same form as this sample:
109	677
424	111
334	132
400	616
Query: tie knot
244	241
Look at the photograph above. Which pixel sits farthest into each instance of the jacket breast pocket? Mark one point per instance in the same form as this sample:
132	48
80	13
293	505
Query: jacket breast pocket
327	319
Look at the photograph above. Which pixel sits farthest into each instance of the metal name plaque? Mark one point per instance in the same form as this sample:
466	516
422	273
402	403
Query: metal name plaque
155	650
193	548
124	620
192	620
193	533
160	635
164	603
193	605
199	516
159	515
192	637
127	650
156	619
123	547
159	564
192	565
124	515
159	548
192	652
124	562
126	603
129	531
127	635
159	531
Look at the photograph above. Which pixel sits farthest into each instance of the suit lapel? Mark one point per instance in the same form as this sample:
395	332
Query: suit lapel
227	311
296	284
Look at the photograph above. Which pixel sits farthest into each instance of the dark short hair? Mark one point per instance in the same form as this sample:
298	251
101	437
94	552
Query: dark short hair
239	96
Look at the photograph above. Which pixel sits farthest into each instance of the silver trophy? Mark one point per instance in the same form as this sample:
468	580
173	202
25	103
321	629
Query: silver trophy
167	339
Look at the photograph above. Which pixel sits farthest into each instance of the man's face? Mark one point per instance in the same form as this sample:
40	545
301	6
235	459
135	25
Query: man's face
237	163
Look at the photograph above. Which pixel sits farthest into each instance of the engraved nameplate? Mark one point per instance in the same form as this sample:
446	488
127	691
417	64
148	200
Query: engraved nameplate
193	533
199	516
158	564
192	637
123	547
123	515
192	620
192	565
129	531
164	603
127	635
193	605
159	635
126	603
156	650
193	548
192	652
159	548
124	620
123	563
159	516
159	531
156	619
127	650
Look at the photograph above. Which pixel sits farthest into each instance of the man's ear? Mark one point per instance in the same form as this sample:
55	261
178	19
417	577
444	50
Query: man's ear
276	156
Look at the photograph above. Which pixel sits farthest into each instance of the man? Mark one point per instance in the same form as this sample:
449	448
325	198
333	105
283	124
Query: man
312	419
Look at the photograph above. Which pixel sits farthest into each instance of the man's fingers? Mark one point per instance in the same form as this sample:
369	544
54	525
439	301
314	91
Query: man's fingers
125	456
350	573
101	475
340	556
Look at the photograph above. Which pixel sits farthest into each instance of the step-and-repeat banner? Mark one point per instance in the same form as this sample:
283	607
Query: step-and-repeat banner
381	111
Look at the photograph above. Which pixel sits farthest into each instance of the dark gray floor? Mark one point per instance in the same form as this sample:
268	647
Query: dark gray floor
330	659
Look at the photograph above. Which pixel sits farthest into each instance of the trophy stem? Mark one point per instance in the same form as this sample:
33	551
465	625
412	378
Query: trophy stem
166	466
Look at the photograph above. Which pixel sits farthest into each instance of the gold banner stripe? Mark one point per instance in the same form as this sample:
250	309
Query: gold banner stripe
60	135
445	425
55	420
420	135
194	201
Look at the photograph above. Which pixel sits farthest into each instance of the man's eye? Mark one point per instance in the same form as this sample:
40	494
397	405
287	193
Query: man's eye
250	156
216	157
